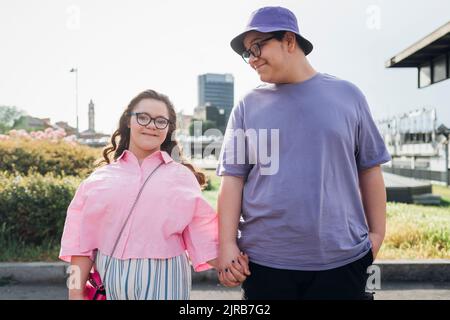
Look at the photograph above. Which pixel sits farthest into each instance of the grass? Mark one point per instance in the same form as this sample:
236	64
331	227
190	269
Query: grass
444	192
413	231
211	195
16	251
416	232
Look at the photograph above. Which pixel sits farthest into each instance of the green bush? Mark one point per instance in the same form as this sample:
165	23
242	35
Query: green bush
33	208
43	156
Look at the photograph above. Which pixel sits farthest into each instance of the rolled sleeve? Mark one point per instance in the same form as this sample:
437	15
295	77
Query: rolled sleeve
370	147
201	235
234	156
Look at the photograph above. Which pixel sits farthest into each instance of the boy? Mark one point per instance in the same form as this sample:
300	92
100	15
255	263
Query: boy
314	221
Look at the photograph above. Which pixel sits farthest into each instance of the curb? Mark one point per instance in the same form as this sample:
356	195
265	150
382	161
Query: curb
391	270
415	270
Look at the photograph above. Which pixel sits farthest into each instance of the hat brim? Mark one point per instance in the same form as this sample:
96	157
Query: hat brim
237	44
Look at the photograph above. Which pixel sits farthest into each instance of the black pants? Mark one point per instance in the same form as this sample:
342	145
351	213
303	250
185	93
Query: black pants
344	283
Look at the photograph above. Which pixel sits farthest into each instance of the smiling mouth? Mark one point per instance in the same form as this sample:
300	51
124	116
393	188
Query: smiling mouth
149	134
259	67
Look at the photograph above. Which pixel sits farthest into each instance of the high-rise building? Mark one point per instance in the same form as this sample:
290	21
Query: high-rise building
216	90
215	98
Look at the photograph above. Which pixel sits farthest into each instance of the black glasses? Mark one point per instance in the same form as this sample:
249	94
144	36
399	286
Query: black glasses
144	119
254	50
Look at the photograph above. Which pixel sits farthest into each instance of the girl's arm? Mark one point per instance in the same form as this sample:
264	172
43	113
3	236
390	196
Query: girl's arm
373	194
213	263
81	266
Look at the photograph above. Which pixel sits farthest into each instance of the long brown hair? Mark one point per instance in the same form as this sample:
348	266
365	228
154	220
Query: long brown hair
120	140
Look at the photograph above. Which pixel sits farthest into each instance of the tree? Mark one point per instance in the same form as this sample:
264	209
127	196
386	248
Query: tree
22	123
8	115
205	125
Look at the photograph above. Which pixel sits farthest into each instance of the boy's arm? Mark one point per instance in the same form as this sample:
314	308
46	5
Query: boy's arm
373	194
229	210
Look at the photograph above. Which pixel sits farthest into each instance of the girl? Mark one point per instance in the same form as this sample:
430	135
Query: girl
169	218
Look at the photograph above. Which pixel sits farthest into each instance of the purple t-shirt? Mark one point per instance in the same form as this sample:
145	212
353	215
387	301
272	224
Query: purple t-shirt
300	147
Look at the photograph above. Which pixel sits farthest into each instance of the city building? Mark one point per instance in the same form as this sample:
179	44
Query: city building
418	140
90	137
215	99
66	127
183	123
216	89
30	123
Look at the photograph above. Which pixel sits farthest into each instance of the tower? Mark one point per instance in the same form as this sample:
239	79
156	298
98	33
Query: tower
91	115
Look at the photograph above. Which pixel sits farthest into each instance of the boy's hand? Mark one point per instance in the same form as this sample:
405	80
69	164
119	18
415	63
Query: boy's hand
377	241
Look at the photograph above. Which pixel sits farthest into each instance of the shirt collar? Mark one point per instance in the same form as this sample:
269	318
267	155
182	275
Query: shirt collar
164	156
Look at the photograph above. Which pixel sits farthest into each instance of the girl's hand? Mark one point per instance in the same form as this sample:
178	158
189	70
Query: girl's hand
76	294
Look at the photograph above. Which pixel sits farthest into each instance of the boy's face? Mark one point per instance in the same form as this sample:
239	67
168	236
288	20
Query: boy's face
269	65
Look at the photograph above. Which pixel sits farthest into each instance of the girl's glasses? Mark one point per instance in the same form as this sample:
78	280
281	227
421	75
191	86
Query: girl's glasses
144	119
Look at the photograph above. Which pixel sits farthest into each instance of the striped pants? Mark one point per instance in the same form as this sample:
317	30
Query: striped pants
145	279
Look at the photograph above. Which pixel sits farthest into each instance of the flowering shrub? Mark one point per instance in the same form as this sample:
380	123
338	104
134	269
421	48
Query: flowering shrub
44	152
50	134
39	173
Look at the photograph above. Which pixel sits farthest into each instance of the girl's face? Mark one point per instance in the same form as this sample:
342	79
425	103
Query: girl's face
148	138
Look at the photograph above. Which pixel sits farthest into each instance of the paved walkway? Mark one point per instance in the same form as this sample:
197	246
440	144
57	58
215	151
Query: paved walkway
210	291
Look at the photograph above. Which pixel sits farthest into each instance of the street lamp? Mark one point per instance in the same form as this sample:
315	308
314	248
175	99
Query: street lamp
76	95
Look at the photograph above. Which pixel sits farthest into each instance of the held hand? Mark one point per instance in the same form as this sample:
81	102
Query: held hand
233	266
235	273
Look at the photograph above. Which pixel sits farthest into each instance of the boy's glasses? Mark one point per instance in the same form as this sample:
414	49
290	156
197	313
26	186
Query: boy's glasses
144	119
254	50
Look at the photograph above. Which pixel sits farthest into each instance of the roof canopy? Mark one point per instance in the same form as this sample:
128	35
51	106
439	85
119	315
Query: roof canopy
432	46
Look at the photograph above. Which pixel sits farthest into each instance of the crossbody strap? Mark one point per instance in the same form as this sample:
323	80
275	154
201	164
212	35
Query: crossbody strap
128	217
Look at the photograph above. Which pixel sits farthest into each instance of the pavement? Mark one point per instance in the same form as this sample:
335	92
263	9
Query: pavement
397	280
213	291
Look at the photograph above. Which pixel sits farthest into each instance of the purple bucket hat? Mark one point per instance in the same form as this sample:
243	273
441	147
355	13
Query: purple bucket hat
269	19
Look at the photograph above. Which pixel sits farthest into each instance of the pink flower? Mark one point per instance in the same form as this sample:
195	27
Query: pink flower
48	134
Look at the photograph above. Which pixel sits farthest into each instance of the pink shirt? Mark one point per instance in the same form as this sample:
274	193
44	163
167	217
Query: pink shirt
171	215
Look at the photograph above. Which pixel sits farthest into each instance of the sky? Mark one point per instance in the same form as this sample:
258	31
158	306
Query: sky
121	48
